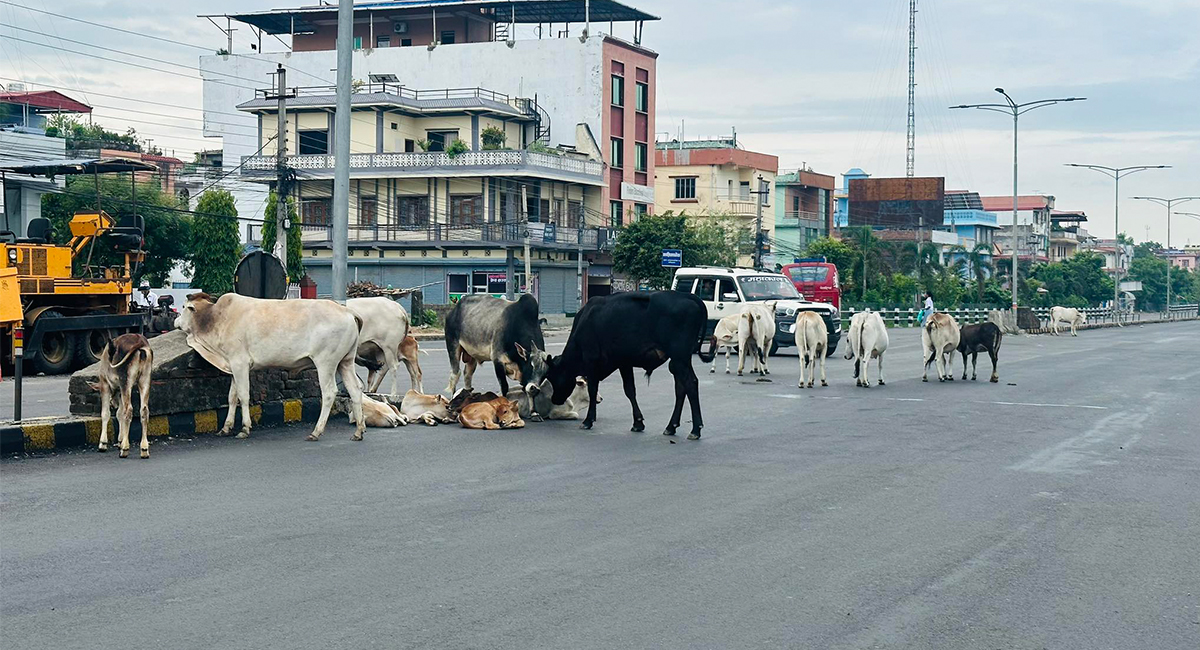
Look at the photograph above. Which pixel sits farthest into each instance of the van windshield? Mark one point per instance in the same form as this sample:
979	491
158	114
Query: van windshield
809	273
767	287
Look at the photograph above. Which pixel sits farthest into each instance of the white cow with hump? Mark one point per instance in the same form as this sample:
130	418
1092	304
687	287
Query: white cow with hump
939	341
812	341
752	330
1069	315
238	334
868	340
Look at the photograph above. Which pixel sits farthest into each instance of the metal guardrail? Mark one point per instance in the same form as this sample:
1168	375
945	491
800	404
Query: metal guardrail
907	317
422	161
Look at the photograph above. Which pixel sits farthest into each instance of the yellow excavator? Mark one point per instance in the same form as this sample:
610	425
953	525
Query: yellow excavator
70	307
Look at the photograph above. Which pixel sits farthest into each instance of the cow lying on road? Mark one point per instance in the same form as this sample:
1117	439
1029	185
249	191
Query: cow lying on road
634	330
125	363
939	340
430	409
382	414
238	334
1069	315
507	333
868	340
981	337
812	342
496	413
541	404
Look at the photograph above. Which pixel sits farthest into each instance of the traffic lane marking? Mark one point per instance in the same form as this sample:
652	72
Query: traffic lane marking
920	399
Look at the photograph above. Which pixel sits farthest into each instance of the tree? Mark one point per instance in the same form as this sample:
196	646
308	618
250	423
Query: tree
865	242
1147	249
216	245
166	234
295	243
91	136
638	253
978	264
493	138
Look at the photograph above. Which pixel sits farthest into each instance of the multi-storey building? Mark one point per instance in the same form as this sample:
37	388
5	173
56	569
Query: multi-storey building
717	178
575	104
1066	234
804	210
966	218
841	196
1033	224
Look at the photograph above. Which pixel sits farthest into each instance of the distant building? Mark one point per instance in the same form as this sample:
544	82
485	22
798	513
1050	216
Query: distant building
1108	249
804	210
717	178
1187	259
841	196
1066	234
23	141
1033	231
970	223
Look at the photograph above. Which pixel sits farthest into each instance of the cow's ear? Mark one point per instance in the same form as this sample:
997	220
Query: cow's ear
521	351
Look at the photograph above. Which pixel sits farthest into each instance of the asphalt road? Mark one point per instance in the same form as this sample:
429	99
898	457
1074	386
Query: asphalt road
1056	509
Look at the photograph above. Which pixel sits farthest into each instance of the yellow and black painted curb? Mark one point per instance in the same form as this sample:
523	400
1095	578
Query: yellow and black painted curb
66	433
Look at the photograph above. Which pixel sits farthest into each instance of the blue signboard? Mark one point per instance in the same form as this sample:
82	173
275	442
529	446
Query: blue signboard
672	257
548	235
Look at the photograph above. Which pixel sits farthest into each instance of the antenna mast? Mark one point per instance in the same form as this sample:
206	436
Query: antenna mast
912	85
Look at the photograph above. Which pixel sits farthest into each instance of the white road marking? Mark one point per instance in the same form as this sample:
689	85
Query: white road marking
1185	377
1077	454
1064	406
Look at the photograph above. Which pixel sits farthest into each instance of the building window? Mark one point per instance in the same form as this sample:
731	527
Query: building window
618	90
639	156
617	156
406	42
413	210
744	190
410	145
574	214
640	209
440	140
458	283
466	210
315	212
643	97
557	212
685	189
314	142
383	41
616	214
358	42
368	211
448	37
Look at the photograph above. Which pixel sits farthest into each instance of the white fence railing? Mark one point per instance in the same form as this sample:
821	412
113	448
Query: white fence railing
907	317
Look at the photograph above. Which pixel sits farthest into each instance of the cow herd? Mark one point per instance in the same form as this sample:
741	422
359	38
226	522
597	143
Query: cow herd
619	333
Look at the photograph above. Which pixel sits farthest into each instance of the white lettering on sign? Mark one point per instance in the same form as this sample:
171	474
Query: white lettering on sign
639	193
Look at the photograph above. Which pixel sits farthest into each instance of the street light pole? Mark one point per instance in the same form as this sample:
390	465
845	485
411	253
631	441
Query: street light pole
1117	173
1011	107
1168	203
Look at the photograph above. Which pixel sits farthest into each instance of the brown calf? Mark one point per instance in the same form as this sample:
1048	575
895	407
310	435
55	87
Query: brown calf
125	362
499	413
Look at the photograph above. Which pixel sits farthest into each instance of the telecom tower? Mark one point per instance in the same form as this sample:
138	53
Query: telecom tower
912	86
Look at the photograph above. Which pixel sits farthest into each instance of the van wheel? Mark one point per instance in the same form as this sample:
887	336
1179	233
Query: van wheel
57	351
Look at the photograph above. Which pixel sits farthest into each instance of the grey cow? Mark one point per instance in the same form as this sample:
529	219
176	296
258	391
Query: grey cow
505	332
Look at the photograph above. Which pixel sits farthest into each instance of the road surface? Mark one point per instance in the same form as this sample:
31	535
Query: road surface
1056	509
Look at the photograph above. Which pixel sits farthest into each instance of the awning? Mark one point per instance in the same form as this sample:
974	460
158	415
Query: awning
80	166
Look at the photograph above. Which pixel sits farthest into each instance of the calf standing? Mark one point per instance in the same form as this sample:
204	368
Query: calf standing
974	339
132	367
812	340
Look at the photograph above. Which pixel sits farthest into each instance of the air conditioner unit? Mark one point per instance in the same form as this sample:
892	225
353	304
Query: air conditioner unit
400	27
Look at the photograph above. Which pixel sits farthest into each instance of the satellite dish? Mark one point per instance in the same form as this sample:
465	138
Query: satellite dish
260	275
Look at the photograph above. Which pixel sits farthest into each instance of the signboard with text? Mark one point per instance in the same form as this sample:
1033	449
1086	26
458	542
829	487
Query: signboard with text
672	258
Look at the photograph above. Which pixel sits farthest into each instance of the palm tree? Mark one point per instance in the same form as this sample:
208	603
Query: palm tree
866	242
978	259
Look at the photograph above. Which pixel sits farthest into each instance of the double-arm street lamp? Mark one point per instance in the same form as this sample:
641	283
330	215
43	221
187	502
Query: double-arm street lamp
1117	173
1168	203
1011	107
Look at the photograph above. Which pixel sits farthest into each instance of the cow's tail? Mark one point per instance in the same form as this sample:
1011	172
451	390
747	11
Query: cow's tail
359	322
998	337
712	346
127	356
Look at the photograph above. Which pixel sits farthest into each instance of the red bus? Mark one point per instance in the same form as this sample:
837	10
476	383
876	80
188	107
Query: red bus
816	280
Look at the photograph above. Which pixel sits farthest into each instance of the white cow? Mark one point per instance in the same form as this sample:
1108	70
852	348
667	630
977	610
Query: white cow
939	340
757	335
541	404
812	341
1066	315
868	340
385	325
238	334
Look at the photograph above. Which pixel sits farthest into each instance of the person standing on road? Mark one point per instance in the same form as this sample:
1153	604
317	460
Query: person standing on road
144	298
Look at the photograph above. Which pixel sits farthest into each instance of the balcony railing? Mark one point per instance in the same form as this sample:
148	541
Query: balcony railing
793	217
427	161
1063	234
541	235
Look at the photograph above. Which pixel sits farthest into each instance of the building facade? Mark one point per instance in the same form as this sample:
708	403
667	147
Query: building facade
804	211
841	195
717	178
1067	234
576	79
1033	224
970	224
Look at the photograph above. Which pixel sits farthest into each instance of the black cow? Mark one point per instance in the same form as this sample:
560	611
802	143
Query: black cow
507	333
982	337
635	330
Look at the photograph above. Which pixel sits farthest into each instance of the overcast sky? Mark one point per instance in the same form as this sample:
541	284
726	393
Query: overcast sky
816	83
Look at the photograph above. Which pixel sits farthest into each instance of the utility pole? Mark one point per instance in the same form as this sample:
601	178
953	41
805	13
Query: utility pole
1167	203
1011	107
912	88
758	237
525	226
341	153
281	168
1117	173
579	260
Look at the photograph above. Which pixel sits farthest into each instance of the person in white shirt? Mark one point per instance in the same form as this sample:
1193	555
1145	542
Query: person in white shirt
927	309
144	297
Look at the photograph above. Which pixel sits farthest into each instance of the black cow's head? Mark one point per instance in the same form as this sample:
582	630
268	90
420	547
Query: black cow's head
561	378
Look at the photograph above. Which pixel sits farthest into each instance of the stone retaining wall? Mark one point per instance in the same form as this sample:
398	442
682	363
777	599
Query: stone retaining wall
183	382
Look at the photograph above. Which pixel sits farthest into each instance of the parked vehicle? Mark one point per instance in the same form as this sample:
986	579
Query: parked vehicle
723	291
816	280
